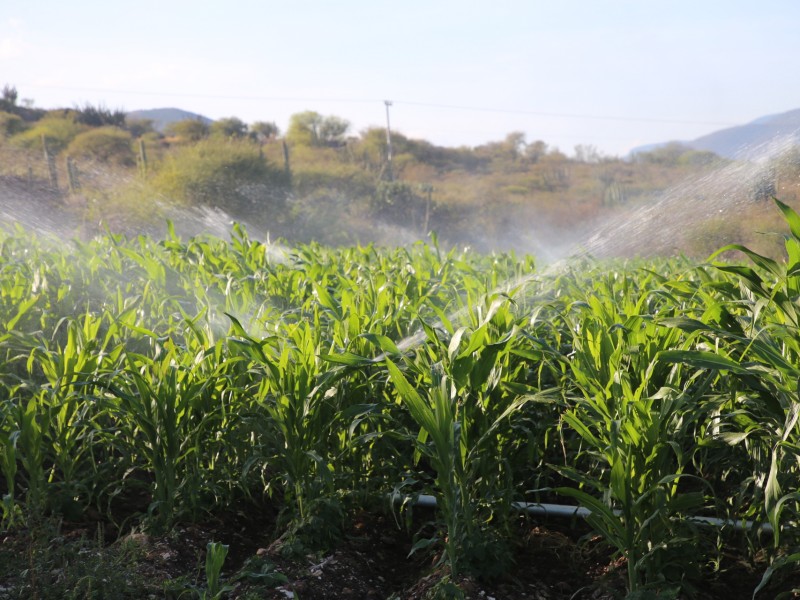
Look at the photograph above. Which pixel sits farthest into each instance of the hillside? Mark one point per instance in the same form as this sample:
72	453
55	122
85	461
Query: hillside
767	135
319	181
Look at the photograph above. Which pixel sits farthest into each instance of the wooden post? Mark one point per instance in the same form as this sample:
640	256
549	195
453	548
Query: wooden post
142	158
286	165
72	176
429	189
51	164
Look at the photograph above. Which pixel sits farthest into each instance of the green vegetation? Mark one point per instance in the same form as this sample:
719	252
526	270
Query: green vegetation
310	128
11	124
321	181
105	144
57	129
154	383
232	174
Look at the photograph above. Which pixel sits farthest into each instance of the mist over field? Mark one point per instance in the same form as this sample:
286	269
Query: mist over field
84	170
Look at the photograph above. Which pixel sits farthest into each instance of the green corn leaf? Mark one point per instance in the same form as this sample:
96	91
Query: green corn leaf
779	563
764	262
792	218
23	308
749	277
703	360
684	324
349	359
608	523
326	300
419	409
382	342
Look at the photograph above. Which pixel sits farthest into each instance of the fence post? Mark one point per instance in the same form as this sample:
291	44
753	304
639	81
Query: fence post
72	176
51	164
286	166
142	158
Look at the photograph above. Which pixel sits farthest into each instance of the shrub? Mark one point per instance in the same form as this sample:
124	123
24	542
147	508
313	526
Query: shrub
127	209
10	124
58	130
230	174
104	144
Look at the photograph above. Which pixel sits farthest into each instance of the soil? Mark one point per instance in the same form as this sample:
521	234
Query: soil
553	560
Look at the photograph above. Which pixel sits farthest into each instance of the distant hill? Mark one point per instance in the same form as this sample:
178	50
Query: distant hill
763	136
161	117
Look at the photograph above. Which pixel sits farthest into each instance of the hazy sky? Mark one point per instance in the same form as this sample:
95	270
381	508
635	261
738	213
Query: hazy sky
610	73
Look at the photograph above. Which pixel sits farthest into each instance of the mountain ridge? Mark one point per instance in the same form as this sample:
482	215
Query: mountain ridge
763	136
163	117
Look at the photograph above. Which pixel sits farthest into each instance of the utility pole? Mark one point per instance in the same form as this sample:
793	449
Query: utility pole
388	103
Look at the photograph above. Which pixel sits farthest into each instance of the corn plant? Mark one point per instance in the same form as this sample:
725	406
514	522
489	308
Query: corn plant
462	416
341	375
215	559
636	416
8	467
157	404
756	346
299	414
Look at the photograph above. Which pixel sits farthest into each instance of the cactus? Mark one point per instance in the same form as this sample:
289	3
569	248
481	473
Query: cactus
614	194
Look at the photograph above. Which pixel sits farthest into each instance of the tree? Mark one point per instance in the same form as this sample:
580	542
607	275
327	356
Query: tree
139	127
9	98
188	130
310	128
264	131
699	158
371	148
98	116
587	153
332	131
666	155
535	151
515	144
304	128
229	127
505	155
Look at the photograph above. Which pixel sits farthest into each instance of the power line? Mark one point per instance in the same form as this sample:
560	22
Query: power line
208	96
565	115
388	103
592	117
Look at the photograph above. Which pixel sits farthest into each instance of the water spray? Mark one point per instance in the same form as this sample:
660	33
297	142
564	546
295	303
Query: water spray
651	227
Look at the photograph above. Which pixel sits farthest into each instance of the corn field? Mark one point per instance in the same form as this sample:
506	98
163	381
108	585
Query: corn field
156	382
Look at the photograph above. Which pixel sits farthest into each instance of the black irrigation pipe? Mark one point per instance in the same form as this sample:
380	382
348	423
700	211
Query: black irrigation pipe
568	511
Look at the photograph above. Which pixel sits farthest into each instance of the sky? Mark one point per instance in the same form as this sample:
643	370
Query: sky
612	74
